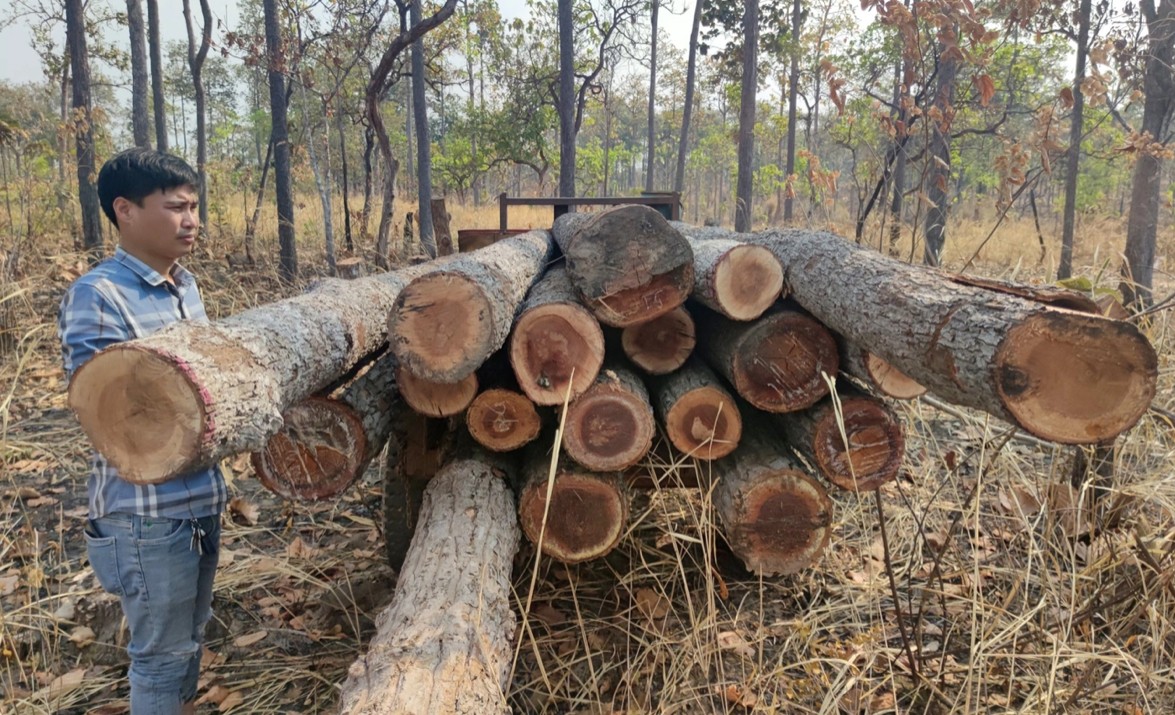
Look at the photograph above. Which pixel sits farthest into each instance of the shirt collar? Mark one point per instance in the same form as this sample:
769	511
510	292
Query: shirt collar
150	276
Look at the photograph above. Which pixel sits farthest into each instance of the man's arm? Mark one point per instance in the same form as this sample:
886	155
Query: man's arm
87	323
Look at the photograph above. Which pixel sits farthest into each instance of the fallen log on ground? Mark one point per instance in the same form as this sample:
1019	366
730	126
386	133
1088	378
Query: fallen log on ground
700	418
627	263
1061	375
610	426
555	341
776	518
325	444
588	511
196	392
876	441
776	363
661	345
877	374
447	322
443	644
736	279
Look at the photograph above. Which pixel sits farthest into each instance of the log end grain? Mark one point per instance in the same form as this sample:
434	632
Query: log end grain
663	344
786	524
704	423
1074	378
747	281
436	399
609	427
876	445
317	453
890	381
586	518
441	328
782	364
631	306
502	420
143	411
548	343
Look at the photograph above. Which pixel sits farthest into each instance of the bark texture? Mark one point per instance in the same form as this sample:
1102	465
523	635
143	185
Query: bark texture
610	426
736	279
700	417
663	344
447	322
627	264
443	644
196	392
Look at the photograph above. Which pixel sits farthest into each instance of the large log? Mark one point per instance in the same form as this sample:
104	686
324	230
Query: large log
443	644
777	363
502	420
436	399
876	441
555	341
776	518
610	426
661	345
447	322
877	374
326	444
588	511
627	263
736	279
196	392
1061	375
701	419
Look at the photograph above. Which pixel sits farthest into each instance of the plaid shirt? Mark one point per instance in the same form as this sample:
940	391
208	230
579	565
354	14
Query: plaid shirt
121	299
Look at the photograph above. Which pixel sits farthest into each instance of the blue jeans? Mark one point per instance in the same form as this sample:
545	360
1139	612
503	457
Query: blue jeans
164	578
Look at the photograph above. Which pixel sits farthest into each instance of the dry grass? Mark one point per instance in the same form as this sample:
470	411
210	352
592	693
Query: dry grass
979	582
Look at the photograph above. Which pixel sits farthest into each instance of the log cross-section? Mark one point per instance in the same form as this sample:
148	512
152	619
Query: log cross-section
701	418
661	345
877	374
436	399
610	426
502	420
736	279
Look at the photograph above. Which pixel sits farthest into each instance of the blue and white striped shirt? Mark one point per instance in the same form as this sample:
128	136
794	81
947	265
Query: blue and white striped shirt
121	299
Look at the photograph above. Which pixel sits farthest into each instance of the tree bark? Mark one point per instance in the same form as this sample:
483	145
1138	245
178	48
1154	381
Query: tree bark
661	345
201	391
776	518
876	442
776	363
140	124
423	141
975	347
746	118
939	173
736	279
1076	131
155	49
566	112
793	90
651	142
556	342
587	512
447	322
437	399
440	227
610	426
688	108
627	264
502	420
701	419
322	182
196	59
83	129
279	136
443	645
325	444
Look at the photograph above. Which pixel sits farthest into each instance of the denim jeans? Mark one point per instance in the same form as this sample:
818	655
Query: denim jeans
164	578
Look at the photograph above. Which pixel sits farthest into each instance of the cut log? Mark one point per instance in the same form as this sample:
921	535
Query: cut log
877	374
196	392
588	511
661	345
326	444
555	341
436	399
627	263
610	426
448	321
1056	296
876	441
700	417
735	279
776	518
443	644
1061	375
502	420
777	363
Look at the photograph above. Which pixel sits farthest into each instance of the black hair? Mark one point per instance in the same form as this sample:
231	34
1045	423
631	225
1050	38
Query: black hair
137	173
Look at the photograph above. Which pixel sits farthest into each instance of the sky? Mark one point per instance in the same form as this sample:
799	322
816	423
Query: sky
19	63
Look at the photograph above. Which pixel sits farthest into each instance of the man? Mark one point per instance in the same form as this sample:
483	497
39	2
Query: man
153	545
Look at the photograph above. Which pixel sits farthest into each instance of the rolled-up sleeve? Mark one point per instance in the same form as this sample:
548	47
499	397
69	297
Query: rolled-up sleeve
87	323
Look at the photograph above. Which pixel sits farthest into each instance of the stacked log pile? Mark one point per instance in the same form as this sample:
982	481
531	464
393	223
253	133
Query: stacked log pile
775	356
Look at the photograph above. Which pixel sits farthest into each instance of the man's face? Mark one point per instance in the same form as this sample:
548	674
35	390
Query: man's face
163	229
